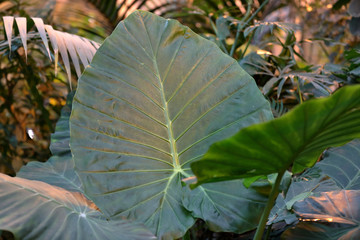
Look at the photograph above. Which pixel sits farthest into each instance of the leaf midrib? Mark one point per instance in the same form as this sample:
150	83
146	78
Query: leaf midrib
173	149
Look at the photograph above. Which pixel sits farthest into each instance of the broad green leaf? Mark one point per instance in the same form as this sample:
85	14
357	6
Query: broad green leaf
59	169
339	208
36	210
295	139
342	164
154	98
229	207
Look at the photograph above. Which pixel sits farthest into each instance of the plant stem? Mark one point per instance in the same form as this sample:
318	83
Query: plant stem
264	217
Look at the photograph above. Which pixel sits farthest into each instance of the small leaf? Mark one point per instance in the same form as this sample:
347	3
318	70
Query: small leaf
295	139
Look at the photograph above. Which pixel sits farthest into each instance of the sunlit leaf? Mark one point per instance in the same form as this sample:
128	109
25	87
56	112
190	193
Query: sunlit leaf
36	210
64	54
295	139
8	24
52	36
21	23
41	29
155	96
340	210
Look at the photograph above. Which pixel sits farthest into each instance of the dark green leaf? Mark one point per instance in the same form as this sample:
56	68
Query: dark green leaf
342	164
296	139
154	98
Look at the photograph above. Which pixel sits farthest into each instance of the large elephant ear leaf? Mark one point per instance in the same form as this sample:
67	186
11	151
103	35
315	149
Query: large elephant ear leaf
154	98
59	169
36	210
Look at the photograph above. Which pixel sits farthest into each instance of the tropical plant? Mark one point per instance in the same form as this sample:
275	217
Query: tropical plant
164	97
31	105
293	141
148	121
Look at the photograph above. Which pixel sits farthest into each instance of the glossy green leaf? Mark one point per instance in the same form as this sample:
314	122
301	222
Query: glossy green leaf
59	169
154	98
296	139
340	210
36	210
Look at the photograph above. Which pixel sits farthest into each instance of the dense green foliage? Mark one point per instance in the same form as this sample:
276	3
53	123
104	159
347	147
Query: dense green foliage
158	107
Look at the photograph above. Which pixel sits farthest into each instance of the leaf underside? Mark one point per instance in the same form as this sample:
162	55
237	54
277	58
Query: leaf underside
338	209
154	98
36	210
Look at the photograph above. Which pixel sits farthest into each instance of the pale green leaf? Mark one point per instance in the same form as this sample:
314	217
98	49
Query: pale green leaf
36	210
154	98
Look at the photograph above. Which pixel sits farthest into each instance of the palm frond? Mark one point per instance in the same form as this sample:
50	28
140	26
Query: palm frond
80	49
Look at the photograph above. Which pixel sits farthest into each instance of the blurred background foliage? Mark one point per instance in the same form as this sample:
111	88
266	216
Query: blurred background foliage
295	50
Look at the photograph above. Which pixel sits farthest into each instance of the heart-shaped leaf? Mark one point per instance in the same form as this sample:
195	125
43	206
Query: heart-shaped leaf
36	210
154	98
296	139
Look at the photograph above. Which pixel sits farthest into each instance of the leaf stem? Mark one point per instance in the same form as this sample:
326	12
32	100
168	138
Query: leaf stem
264	217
